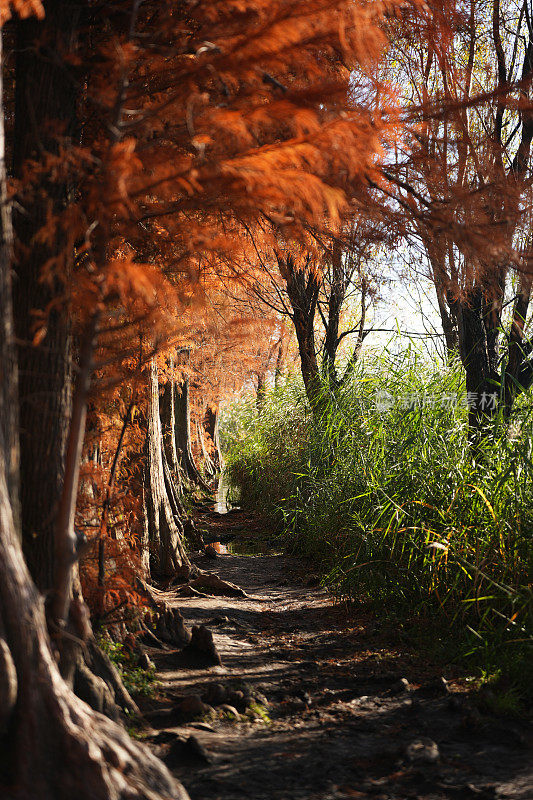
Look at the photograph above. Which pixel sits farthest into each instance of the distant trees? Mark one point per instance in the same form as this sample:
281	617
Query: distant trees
464	189
320	288
320	292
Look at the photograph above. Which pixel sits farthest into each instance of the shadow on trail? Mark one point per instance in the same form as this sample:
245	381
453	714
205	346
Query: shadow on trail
341	724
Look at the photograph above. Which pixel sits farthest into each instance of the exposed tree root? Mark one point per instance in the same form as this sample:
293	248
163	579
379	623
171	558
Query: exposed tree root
188	591
55	746
212	584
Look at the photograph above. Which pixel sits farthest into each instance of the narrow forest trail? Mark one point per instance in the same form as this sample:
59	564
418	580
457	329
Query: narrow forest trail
333	718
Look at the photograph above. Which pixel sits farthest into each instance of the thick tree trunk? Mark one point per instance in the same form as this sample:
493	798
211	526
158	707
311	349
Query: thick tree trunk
308	361
260	393
208	464
45	96
211	428
163	526
481	380
303	285
9	423
519	368
167	410
54	747
183	435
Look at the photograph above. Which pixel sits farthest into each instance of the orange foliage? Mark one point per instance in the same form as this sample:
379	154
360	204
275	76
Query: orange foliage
202	123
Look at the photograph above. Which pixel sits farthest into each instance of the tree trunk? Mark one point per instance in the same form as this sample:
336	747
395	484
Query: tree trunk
211	428
260	394
9	423
183	435
46	99
337	293
44	94
437	253
209	466
164	528
519	369
167	411
481	381
280	358
449	323
303	285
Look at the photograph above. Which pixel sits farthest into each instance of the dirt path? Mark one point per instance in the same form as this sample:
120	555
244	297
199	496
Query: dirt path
333	718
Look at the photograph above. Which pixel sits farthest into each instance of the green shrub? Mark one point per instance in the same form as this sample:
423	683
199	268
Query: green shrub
136	680
391	503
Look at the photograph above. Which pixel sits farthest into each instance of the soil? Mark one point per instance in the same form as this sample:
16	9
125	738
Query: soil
317	704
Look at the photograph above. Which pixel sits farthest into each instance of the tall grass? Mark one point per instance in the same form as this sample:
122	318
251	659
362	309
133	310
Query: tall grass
389	501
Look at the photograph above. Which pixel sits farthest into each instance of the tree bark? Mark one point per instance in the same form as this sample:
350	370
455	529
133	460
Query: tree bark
260	393
9	423
44	96
519	370
280	358
167	410
209	467
183	435
211	428
474	349
303	285
163	526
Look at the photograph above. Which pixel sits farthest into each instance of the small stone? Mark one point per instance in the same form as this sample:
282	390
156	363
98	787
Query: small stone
187	751
422	750
415	704
210	552
192	706
236	698
145	662
297	704
471	721
400	686
197	750
219	620
247	692
457	702
435	687
215	695
227	709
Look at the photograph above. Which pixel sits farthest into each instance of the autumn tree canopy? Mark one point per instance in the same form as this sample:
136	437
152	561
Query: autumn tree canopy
191	194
